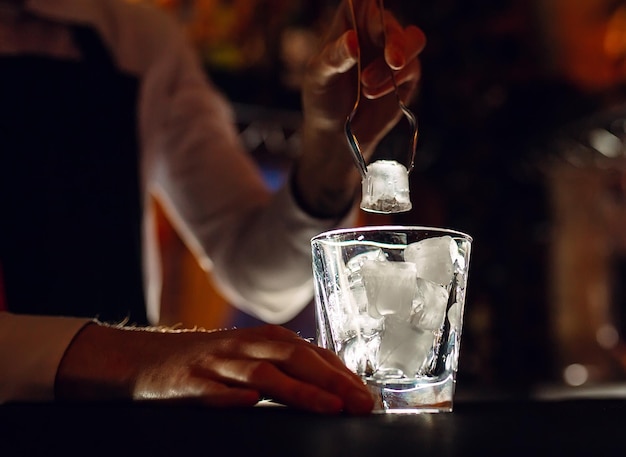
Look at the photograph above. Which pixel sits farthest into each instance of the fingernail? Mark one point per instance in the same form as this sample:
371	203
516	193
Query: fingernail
395	59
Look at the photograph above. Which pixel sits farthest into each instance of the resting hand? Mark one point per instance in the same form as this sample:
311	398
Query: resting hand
329	94
226	368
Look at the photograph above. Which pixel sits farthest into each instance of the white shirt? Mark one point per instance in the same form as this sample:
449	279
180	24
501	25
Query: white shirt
256	243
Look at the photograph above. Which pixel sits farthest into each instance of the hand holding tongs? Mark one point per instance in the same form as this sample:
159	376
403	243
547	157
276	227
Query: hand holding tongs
412	120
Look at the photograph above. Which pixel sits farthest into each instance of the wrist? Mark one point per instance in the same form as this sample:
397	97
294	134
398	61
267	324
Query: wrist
325	204
98	365
325	179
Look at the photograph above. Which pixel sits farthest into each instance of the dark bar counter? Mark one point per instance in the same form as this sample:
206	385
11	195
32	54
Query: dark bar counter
584	427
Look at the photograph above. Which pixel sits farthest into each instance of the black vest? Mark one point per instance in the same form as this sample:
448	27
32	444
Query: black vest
70	200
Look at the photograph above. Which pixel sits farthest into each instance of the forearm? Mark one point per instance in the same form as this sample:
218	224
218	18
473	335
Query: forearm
106	362
266	269
96	366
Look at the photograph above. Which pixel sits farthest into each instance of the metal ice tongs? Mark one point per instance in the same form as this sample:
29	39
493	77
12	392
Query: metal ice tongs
410	117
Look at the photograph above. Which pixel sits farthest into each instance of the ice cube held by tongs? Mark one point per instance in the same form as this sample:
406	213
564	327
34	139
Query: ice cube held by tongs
385	183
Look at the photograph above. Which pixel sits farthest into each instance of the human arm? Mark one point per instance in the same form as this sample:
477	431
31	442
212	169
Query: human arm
223	368
255	243
263	259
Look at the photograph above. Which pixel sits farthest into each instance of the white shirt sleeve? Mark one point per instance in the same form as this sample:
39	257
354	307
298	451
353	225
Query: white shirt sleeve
31	348
256	243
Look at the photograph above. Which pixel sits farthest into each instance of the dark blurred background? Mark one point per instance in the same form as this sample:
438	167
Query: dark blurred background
522	121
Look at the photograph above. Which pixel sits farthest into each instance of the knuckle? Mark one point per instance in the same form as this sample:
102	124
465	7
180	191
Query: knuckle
274	331
295	353
232	345
261	371
298	352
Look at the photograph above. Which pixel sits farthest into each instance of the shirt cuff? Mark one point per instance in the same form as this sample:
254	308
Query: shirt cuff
287	196
31	348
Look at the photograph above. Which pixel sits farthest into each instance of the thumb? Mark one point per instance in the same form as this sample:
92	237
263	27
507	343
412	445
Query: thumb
336	58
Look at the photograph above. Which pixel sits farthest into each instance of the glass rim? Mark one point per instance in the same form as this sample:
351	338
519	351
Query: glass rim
372	228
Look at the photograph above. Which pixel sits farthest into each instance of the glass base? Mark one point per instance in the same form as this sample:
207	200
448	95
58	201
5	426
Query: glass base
385	206
412	396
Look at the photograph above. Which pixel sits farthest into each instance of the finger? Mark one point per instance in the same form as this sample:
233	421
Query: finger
415	42
191	386
384	30
218	395
395	54
402	45
342	21
293	355
332	358
279	333
319	367
402	50
274	332
369	22
272	382
293	391
237	363
336	58
378	82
